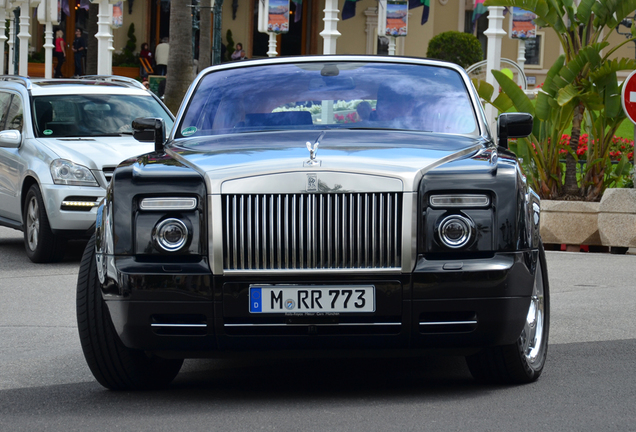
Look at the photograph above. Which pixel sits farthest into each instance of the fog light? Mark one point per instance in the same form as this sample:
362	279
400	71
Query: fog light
171	234
455	231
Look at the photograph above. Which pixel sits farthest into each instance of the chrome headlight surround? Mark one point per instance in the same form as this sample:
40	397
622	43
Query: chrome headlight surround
455	231
65	172
171	235
459	200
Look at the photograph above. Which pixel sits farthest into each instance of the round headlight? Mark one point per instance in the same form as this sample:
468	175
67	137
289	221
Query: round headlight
171	234
455	231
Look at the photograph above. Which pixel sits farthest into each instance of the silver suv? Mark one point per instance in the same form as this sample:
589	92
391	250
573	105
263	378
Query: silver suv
60	141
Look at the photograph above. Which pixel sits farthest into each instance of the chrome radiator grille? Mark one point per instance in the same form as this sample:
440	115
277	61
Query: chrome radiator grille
312	231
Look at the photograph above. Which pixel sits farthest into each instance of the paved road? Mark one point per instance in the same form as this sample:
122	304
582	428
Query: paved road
588	384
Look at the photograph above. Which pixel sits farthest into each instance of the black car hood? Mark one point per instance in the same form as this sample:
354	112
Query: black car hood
393	154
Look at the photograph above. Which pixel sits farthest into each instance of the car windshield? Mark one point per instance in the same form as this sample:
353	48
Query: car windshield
93	115
330	95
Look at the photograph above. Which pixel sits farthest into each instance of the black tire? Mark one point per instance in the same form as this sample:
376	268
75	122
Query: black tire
113	365
521	362
42	246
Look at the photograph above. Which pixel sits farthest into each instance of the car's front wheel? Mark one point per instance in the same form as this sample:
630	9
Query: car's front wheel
113	365
42	246
523	361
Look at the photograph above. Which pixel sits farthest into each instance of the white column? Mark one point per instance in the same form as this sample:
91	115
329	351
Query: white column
391	45
521	59
330	33
3	40
11	43
24	37
103	36
272	45
371	29
48	49
495	34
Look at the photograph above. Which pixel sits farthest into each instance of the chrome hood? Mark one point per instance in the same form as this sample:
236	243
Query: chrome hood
345	160
96	152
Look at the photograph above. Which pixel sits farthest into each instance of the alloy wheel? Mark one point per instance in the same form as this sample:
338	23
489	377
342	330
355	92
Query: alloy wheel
33	223
532	334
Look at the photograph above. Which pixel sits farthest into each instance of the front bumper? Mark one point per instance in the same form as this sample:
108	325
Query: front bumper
71	220
194	314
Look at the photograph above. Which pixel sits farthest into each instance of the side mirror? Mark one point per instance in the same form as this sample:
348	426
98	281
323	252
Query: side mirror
513	125
10	139
150	129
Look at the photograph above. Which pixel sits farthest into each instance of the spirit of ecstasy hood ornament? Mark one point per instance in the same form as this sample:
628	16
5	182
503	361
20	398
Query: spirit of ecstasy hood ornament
313	149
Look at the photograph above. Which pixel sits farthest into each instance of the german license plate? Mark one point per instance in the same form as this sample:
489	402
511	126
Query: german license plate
312	299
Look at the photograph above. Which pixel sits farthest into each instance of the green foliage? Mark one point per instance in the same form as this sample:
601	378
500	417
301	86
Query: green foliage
229	47
37	56
582	88
128	57
463	49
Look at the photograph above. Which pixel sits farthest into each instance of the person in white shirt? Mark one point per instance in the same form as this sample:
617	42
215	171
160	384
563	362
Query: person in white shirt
161	56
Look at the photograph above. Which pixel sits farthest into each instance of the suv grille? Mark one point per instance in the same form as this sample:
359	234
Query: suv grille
108	173
312	231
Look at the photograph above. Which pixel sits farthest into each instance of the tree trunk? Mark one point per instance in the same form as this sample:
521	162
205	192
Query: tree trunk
91	49
205	28
571	186
179	75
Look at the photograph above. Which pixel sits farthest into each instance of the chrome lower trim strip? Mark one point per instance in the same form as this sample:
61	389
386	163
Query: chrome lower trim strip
178	325
317	325
447	323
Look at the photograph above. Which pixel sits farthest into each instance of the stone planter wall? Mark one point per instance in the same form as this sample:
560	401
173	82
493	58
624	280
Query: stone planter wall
617	218
570	222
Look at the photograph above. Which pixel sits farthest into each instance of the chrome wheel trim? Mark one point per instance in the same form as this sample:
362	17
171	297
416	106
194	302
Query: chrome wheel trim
32	223
532	334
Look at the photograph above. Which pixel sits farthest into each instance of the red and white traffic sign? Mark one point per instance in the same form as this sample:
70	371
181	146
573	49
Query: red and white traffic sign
628	97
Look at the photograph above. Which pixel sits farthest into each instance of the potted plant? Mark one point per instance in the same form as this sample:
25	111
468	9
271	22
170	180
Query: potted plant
582	91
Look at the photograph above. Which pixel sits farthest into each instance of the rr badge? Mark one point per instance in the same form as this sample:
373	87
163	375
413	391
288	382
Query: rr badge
312	182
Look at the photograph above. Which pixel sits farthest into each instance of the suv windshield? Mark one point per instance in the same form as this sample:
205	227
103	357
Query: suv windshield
92	115
330	95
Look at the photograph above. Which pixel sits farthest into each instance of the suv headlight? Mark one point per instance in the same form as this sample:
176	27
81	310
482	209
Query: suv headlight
65	172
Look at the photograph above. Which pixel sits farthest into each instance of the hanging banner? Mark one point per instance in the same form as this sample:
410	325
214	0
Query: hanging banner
522	24
397	13
118	15
278	16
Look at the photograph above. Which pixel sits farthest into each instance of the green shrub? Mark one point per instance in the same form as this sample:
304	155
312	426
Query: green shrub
463	49
127	57
229	47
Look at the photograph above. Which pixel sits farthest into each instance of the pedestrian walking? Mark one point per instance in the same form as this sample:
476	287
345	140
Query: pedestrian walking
60	53
161	56
79	48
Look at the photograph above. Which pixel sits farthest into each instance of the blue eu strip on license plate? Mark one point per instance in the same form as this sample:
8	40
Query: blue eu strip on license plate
312	299
256	300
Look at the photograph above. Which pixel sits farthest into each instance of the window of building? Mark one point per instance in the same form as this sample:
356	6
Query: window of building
534	52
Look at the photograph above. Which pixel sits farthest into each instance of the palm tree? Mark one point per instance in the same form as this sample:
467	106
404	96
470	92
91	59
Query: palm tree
180	71
205	28
585	84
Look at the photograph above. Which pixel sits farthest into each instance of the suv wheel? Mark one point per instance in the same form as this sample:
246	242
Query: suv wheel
42	246
113	365
523	361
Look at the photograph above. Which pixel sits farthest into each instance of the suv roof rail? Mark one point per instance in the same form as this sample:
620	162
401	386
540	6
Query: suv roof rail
129	82
18	79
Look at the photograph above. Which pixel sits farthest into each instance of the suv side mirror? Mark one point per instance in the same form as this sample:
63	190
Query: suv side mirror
10	139
513	125
149	129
